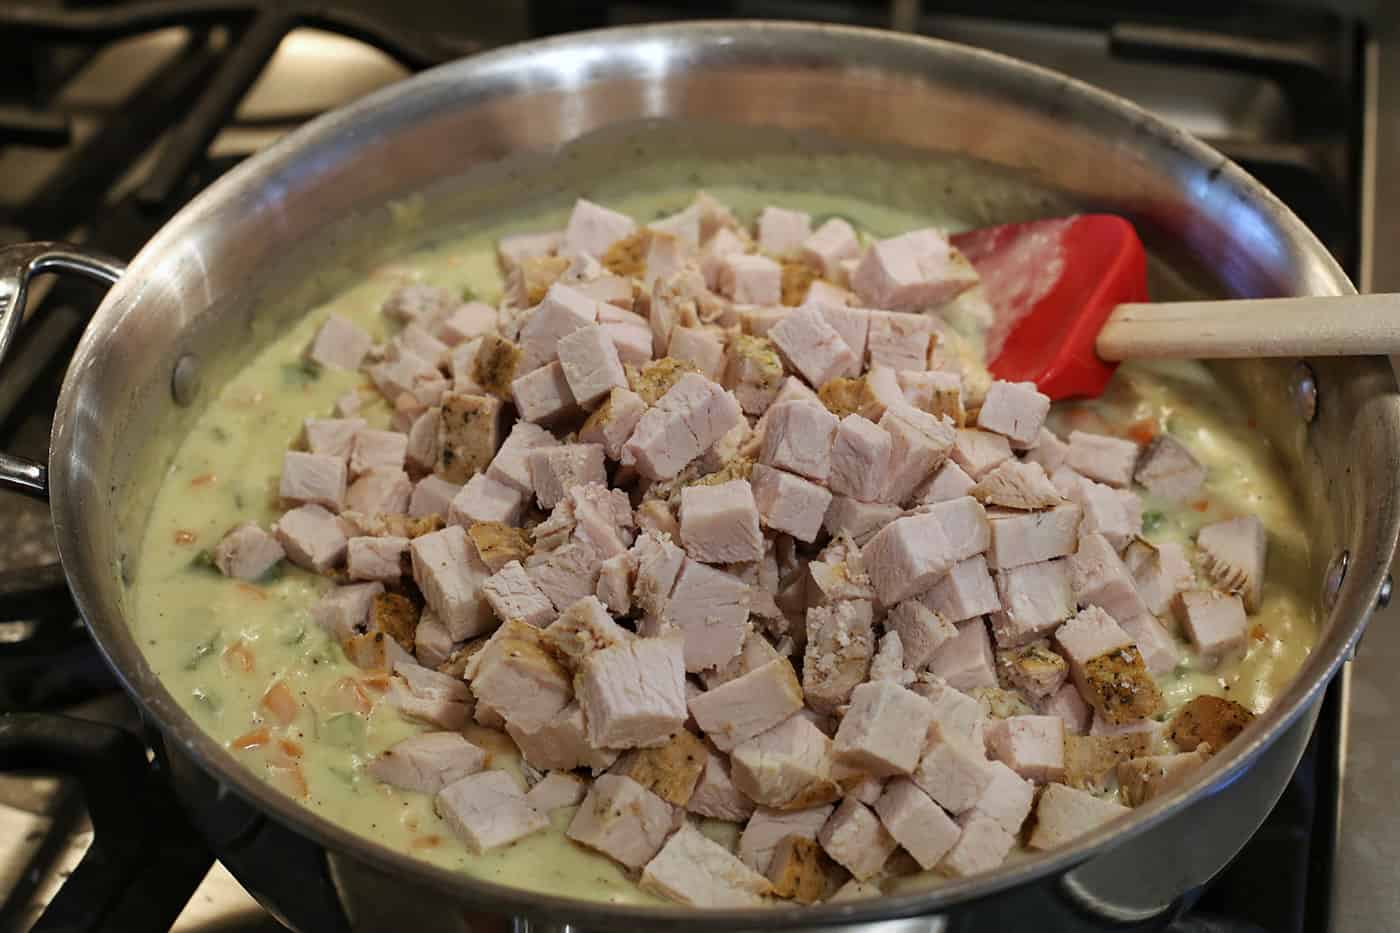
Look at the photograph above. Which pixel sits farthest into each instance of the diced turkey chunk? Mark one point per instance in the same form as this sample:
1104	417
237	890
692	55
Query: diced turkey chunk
830	243
383	491
916	822
556	789
860	520
427	696
1160	571
798	439
1007	799
860	459
417	340
485	499
1143	779
1212	720
344	610
840	643
716	796
247	552
769	827
965	592
912	271
312	537
583	628
470	319
432	495
542	395
685	422
1089	634
376	558
719	523
953	771
852	324
497	544
920	443
746	706
623	820
1064	813
855	838
979	452
1031	537
748	279
920	629
511	463
1032	746
373	450
1069	706
561	744
1113	513
515	675
1099	578
1090	758
710	607
312	479
702	348
669	771
754	372
983	845
1033	669
695	870
339	344
449	573
468	435
1233	554
593	228
488	810
658	563
1102	458
799	870
787	767
427	762
1214	622
417	302
965	660
423	447
788	503
1168	470
1117	685
875	732
1015	410
812	347
591	365
633	694
936	392
1159	650
331	436
612	422
781	232
1049	451
900	341
908	555
556	470
1015	484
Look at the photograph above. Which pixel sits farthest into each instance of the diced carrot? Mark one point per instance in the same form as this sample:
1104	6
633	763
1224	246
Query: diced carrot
203	479
291	747
185	536
379	683
1143	431
250	740
1259	633
280	703
289	780
346	695
1201	505
239	656
248	589
426	842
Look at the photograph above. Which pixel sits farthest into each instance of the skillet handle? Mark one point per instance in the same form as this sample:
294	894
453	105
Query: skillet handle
19	264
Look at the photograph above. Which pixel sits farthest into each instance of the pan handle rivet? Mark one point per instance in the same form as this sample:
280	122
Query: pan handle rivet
184	380
1304	389
1383	597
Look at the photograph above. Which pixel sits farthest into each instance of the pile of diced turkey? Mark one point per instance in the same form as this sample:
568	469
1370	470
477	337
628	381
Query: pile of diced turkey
706	522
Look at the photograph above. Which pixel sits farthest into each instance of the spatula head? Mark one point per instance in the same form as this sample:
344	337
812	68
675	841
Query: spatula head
1052	284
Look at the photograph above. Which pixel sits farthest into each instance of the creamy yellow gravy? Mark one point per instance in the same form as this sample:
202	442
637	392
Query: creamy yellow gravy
219	644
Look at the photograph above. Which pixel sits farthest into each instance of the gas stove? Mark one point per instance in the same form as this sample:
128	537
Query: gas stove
113	115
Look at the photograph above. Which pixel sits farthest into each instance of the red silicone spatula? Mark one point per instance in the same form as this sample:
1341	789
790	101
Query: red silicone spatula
1069	295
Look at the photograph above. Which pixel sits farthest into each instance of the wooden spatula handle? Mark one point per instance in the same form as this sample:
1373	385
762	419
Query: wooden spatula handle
1347	325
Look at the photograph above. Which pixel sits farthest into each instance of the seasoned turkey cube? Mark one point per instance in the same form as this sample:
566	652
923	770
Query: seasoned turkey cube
1017	485
788	503
1089	634
449	573
556	789
247	552
344	610
312	537
623	820
469	431
710	607
1159	571
979	452
395	616
1158	648
593	228
1102	458
1032	746
666	256
798	439
899	341
700	347
965	660
844	397
754	373
512	250
787	767
695	870
812	347
581	629
556	470
830	243
938	393
1098	577
840	644
561	744
376	558
1118	686
421	453
1020	538
749	279
612	422
853	326
874	733
488	810
591	364
1214	622
633	694
1143	779
485	499
542	395
1212	720
719	523
768	828
1233	553
427	762
920	443
339	344
912	271
965	592
949	481
332	436
953	771
920	631
383	491
983	845
855	838
1015	410
800	870
497	544
517	677
494	364
860	459
686	421
312	479
512	595
1168	470
658	563
859	520
669	771
1064	813
1033	669
781	232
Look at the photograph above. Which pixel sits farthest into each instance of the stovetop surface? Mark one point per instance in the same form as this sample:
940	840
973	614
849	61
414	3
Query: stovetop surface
1297	129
